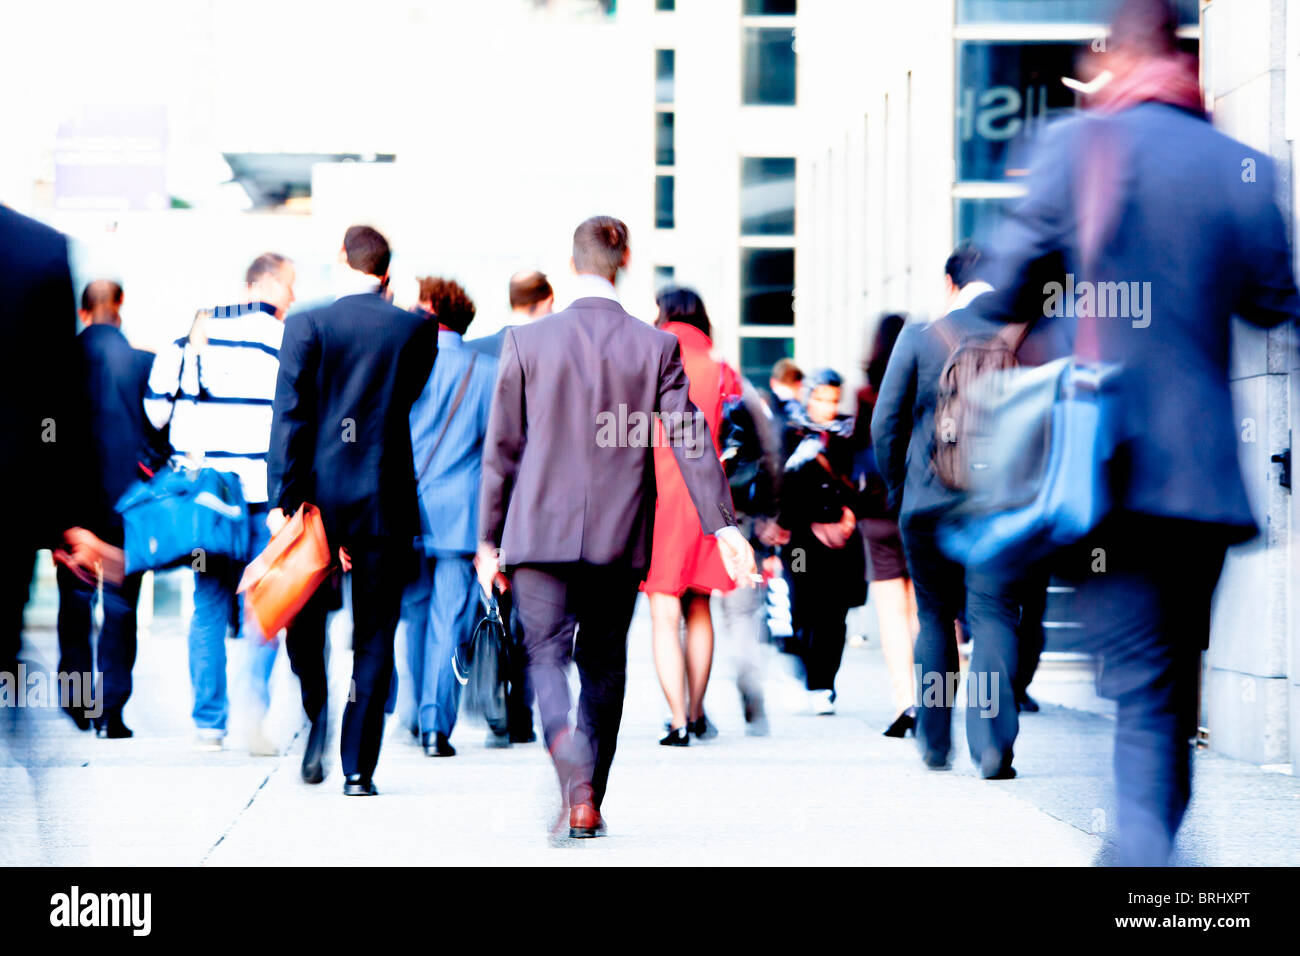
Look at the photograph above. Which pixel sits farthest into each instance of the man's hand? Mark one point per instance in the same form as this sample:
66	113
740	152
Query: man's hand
86	556
836	535
488	564
771	533
275	520
737	557
345	560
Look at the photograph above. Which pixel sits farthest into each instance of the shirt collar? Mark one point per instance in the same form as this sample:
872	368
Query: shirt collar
352	282
593	287
968	293
447	337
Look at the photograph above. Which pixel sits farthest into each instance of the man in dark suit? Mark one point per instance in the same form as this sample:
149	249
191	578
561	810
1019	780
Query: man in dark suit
341	440
1124	196
568	500
531	297
903	433
45	446
116	376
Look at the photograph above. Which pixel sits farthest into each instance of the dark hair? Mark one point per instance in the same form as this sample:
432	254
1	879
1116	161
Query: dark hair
786	372
449	302
963	265
268	263
100	294
367	250
677	304
882	346
599	245
528	288
1145	27
825	376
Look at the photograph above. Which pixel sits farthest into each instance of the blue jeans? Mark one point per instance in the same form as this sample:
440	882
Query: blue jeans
214	595
439	609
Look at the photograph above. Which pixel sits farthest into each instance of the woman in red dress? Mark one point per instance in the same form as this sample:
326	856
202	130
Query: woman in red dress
685	567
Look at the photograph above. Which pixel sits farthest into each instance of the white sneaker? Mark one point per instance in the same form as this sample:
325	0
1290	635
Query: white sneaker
260	745
822	702
208	743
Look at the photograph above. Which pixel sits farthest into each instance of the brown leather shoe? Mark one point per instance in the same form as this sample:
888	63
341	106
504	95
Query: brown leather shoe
585	822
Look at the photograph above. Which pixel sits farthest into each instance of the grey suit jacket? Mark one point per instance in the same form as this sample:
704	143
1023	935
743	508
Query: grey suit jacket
568	469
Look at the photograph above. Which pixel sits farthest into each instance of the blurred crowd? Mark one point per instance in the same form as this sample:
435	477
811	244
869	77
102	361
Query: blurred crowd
460	477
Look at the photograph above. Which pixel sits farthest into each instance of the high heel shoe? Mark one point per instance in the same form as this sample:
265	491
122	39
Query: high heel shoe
903	724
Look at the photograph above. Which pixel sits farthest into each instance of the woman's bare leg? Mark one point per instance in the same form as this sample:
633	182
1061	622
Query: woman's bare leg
699	650
670	662
896	638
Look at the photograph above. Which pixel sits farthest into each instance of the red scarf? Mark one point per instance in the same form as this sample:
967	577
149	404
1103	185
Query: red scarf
1168	79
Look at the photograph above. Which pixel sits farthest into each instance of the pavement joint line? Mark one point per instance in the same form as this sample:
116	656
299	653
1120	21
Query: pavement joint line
252	799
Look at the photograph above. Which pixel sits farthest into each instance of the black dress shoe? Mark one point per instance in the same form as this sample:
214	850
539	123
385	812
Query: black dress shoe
1026	704
358	786
112	728
903	724
677	738
702	728
313	763
526	738
437	745
934	760
78	717
995	765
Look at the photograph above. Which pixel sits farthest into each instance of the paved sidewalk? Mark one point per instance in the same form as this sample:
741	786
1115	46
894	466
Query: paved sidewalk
819	790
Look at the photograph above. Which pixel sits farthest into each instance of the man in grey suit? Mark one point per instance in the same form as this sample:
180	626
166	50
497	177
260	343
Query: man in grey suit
568	500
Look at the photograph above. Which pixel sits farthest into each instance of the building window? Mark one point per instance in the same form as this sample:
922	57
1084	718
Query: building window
758	355
1052	11
767	196
769	66
664	202
664	276
766	286
664	152
763	8
665	6
665	75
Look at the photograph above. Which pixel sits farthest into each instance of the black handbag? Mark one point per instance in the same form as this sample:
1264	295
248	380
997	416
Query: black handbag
483	667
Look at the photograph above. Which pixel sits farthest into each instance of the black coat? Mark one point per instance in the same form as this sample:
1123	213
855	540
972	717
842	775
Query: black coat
45	450
116	377
340	433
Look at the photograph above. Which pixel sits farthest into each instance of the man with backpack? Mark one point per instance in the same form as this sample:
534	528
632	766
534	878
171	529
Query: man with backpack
920	408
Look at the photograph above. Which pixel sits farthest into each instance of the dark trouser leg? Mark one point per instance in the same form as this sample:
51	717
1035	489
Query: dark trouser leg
1149	617
117	643
825	645
940	597
548	618
1029	635
604	615
76	600
305	645
992	720
376	606
16	567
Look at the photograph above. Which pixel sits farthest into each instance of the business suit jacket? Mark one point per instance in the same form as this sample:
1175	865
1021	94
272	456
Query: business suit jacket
340	430
116	377
38	323
1194	213
566	474
448	479
902	423
490	345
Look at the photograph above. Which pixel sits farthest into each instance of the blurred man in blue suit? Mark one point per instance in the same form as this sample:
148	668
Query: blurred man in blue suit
448	422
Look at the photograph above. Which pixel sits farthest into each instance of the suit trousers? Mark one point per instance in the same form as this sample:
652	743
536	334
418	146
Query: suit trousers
1147	611
379	575
439	609
944	592
114	652
557	602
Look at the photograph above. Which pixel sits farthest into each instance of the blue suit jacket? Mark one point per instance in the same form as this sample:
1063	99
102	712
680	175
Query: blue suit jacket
449	480
1194	213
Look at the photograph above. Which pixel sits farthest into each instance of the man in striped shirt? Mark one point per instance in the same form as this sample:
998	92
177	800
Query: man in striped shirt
215	387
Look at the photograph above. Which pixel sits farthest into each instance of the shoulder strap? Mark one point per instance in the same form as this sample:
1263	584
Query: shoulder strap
942	326
451	413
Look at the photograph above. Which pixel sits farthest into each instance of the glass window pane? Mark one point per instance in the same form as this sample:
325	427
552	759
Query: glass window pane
766	286
667	6
769	67
665	73
769	7
757	356
767	196
664	202
663	277
1054	11
664	139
